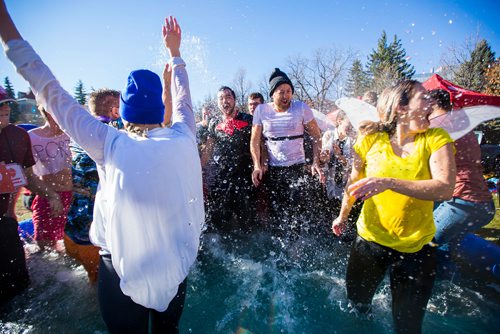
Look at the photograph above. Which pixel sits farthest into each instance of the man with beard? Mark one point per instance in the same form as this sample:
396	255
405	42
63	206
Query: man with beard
281	123
230	199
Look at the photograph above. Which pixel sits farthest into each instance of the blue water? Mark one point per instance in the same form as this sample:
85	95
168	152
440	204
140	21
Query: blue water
251	284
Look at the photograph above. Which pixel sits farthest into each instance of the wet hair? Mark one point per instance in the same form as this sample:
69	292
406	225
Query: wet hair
223	88
370	97
256	95
99	102
441	98
391	98
135	129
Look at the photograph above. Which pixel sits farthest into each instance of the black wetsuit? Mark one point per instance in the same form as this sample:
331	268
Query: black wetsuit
231	200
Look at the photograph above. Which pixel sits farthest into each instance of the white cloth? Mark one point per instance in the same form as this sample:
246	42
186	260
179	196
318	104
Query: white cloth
335	189
460	122
149	207
328	138
52	154
284	124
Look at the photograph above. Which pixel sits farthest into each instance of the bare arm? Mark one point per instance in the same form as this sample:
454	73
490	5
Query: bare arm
313	129
207	152
440	187
339	225
41	188
182	108
264	156
167	95
255	140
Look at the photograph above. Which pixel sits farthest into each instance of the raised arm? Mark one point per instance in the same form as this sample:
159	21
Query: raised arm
167	95
71	116
182	110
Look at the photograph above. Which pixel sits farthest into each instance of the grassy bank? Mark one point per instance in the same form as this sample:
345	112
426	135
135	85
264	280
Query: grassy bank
491	231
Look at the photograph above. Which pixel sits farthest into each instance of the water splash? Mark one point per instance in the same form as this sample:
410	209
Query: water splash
255	284
195	52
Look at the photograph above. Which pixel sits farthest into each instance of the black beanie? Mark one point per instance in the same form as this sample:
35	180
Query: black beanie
277	78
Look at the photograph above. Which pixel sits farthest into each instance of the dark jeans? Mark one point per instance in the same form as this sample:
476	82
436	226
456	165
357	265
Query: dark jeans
122	315
14	276
411	277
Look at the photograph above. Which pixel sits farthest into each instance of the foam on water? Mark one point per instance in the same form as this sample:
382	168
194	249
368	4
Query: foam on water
58	300
254	284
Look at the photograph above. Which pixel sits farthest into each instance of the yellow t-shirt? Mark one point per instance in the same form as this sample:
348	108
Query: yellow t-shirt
391	219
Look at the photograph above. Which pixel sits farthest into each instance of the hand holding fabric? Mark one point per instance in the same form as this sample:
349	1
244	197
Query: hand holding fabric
55	203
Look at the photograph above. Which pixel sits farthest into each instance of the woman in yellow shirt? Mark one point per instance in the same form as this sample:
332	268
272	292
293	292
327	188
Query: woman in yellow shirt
400	167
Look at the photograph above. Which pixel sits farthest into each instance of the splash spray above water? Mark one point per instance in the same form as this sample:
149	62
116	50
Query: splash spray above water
195	52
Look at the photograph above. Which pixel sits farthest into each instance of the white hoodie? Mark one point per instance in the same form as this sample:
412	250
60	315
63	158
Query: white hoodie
149	206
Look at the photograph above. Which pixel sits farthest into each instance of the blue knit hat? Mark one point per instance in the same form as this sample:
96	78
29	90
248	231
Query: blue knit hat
141	100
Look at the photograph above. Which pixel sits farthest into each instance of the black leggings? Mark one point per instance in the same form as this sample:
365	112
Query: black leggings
14	276
411	277
122	315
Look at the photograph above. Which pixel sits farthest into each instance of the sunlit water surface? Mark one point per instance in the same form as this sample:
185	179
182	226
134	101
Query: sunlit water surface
250	284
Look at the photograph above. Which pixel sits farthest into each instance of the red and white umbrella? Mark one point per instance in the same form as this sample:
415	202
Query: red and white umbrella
469	108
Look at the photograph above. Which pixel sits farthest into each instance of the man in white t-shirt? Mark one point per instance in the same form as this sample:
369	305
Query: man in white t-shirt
281	124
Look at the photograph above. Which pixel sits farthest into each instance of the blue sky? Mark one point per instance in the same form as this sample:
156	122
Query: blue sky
100	42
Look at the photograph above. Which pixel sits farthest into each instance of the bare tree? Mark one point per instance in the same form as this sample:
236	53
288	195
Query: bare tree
387	76
209	101
319	80
471	63
457	55
241	87
263	87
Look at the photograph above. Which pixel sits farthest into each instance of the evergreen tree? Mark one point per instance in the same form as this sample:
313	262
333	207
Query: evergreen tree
404	70
80	93
14	108
358	81
388	64
9	88
472	73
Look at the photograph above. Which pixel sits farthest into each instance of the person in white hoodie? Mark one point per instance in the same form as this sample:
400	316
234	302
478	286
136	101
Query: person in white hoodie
148	213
